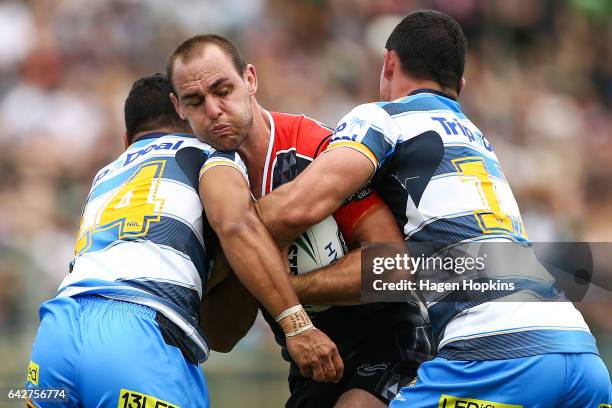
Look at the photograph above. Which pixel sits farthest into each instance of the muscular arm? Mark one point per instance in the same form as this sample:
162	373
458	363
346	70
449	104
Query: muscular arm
247	244
340	283
257	262
228	310
316	193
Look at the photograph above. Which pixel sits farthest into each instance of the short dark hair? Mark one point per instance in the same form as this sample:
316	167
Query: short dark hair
194	45
148	106
430	45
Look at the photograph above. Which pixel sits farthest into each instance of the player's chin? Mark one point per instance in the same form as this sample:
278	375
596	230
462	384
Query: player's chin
226	142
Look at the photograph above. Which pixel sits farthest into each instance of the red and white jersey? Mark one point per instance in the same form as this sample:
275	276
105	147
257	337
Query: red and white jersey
295	140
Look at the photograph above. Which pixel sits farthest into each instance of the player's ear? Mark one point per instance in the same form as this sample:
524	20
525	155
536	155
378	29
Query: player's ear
461	84
177	106
388	64
126	143
250	77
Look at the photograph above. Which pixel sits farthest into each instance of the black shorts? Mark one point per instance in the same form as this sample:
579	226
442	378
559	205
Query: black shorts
382	379
381	353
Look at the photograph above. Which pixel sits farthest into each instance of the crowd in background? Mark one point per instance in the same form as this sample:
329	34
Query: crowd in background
539	86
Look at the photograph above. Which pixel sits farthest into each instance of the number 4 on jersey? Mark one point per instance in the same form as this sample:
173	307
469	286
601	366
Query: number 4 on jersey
134	206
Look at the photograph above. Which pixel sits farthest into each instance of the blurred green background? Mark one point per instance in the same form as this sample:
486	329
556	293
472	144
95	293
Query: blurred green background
539	85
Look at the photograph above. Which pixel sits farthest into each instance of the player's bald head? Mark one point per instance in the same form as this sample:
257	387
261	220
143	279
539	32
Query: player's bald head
195	46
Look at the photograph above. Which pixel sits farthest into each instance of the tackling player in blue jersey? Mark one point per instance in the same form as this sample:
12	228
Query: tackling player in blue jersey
443	182
124	329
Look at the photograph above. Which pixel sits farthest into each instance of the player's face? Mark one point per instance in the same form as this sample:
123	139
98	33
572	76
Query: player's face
215	98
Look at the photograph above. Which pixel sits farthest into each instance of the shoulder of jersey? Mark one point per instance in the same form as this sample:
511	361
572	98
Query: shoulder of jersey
170	142
409	116
300	132
410	104
422	102
193	141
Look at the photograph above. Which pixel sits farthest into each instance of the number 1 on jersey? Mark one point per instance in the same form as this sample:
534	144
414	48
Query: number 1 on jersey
493	220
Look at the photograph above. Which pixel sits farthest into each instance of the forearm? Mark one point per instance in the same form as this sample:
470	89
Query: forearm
257	262
340	283
227	313
246	243
289	211
316	193
337	284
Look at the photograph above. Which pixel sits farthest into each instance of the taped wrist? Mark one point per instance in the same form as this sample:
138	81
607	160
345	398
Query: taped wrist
294	321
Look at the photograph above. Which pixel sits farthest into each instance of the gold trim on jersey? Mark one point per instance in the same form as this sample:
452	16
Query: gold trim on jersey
214	163
360	147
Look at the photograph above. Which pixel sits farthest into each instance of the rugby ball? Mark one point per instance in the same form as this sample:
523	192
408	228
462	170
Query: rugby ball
321	245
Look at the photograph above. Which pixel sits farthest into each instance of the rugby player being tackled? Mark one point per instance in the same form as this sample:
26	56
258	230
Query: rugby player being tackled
380	344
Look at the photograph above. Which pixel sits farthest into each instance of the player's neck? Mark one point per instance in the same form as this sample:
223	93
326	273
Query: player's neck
255	147
404	86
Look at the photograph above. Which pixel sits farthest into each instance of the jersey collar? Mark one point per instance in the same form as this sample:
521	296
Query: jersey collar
152	135
433	91
155	135
266	169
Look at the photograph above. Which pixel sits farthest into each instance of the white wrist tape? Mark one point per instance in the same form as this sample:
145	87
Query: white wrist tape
300	330
294	321
287	312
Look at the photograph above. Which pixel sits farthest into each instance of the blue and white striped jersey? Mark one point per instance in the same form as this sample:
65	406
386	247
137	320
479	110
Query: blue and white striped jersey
142	237
444	184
